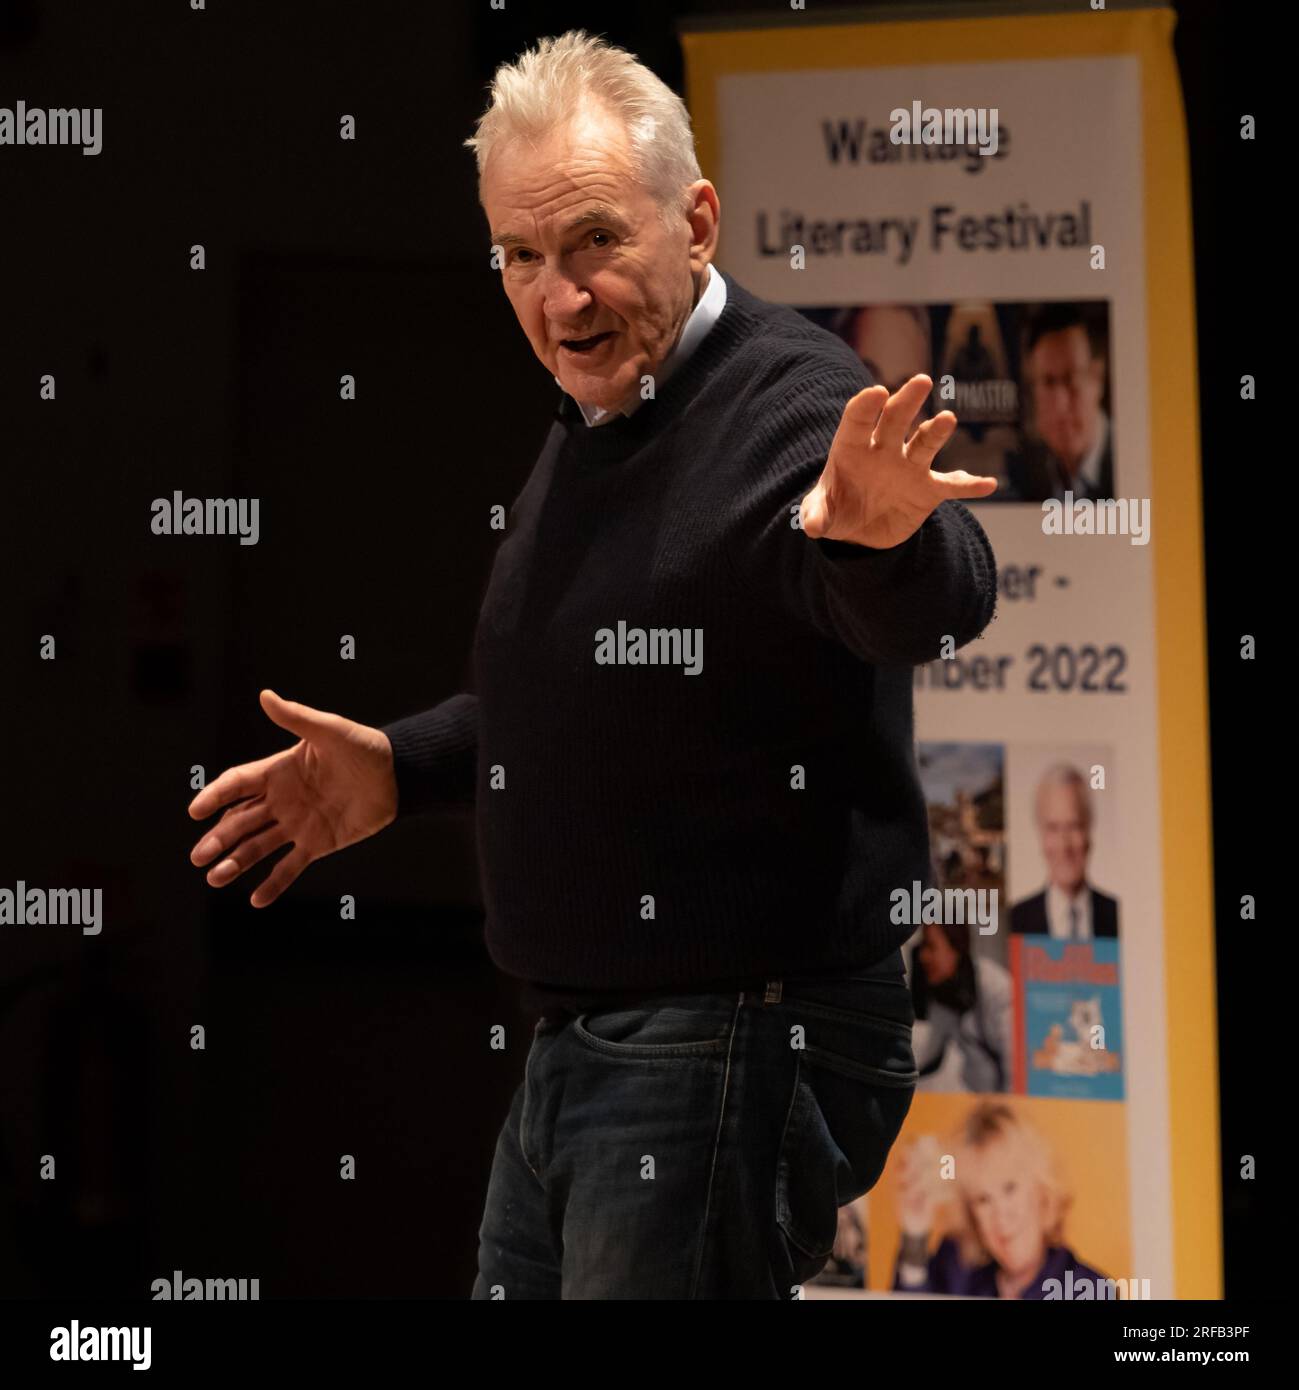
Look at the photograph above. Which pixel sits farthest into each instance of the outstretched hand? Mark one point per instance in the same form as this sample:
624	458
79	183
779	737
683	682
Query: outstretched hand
335	786
877	487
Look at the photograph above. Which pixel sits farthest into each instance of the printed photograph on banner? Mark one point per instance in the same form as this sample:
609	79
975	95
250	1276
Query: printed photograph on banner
1064	926
1004	1197
1063	833
1068	1018
1029	384
956	961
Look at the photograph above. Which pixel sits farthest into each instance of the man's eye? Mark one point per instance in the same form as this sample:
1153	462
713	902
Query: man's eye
607	235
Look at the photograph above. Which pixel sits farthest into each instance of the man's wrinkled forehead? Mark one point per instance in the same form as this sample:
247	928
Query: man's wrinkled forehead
578	174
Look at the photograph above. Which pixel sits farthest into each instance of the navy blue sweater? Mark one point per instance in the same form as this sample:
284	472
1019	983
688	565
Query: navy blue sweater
735	802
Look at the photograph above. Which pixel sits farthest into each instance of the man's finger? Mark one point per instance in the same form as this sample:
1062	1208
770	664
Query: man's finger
861	415
244	856
923	446
296	718
959	483
237	823
900	410
234	784
281	876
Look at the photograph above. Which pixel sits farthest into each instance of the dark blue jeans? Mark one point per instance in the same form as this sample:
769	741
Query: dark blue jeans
699	1145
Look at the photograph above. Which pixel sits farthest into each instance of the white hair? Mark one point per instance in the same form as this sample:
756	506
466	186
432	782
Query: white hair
553	82
1063	775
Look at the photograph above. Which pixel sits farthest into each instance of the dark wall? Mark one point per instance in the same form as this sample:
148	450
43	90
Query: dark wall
323	1037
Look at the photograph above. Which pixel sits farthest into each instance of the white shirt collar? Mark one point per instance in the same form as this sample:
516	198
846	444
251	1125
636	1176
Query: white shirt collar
1057	912
707	311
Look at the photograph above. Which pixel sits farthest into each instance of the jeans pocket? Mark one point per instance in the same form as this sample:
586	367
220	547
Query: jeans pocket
807	1177
856	1077
697	1026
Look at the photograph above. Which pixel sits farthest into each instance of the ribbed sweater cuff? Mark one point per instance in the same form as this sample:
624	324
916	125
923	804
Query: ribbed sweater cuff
881	560
435	756
940	581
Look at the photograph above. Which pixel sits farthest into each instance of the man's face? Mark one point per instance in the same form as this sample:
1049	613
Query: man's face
1067	387
586	255
1065	840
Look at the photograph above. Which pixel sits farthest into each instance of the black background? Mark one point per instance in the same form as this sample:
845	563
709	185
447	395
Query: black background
323	257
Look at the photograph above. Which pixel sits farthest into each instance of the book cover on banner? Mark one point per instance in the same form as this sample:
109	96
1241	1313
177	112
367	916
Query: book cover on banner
1068	1018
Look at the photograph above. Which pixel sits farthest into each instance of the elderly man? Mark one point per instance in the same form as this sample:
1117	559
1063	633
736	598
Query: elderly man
1069	908
691	746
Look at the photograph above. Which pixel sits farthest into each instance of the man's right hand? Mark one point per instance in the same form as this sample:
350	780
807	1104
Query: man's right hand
335	786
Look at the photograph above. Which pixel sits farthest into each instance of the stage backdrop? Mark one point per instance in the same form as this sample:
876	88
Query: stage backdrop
1037	265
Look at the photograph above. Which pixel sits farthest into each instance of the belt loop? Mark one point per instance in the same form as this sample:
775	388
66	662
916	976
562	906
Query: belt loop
772	996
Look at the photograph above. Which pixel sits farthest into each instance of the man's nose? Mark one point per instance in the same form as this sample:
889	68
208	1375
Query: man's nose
564	298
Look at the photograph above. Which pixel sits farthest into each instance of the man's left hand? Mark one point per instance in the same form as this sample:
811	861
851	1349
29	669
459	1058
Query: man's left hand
877	487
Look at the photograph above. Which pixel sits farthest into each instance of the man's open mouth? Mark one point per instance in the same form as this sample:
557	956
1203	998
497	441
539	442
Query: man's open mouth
584	344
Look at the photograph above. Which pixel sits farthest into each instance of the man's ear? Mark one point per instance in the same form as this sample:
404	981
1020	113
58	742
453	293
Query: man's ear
704	217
